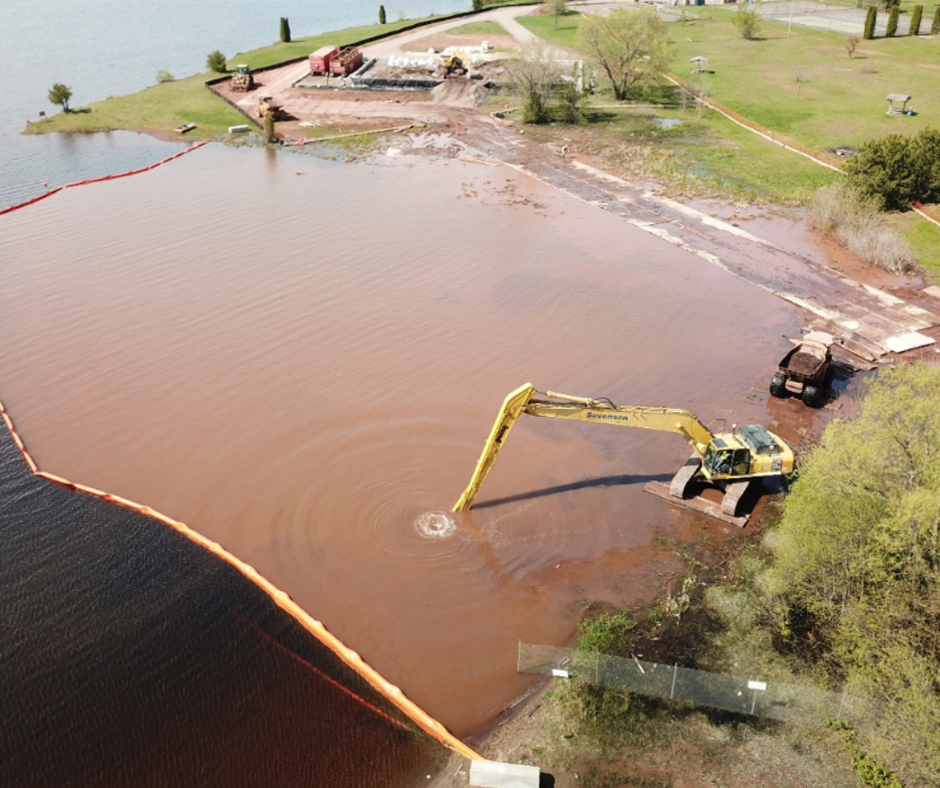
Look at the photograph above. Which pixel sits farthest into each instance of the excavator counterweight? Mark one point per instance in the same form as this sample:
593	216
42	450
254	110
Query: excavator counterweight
729	461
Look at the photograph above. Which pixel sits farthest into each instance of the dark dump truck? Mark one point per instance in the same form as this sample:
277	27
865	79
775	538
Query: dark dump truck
806	370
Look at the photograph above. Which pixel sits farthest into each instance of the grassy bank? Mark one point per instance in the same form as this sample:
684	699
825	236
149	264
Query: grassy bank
165	106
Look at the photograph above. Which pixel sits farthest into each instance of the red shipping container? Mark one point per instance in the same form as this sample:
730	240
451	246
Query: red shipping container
320	60
346	61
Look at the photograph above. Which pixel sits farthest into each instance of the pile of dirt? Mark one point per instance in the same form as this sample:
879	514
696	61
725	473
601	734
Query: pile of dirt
470	93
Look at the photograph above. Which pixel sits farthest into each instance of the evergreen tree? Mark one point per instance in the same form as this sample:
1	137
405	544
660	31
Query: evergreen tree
477	5
871	17
935	25
893	21
916	14
381	14
285	30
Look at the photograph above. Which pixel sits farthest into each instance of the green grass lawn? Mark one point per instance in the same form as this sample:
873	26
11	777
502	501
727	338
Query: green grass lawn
563	34
484	28
805	85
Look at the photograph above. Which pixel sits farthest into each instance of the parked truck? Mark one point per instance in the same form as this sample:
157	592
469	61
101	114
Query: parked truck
805	371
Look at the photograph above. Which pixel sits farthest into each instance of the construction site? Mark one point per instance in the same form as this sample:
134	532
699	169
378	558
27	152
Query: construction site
354	88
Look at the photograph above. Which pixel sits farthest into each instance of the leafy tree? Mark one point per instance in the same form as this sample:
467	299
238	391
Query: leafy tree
556	8
747	20
285	30
534	71
893	15
381	14
164	76
60	94
630	47
216	62
916	15
857	564
871	17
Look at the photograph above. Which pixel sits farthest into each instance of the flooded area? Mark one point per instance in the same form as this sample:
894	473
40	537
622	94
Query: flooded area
302	358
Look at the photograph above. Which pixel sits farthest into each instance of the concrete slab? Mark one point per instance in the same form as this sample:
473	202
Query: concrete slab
492	774
901	342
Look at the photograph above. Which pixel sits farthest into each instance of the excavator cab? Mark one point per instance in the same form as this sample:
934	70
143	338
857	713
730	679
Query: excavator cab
721	463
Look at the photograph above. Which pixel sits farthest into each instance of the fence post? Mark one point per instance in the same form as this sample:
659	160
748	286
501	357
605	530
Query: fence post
519	657
672	690
841	701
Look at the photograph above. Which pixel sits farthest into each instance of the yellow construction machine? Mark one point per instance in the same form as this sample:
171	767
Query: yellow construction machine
242	79
730	461
456	63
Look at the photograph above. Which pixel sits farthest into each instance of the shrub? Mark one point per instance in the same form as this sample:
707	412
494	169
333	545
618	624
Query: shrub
892	22
216	62
871	17
477	5
846	213
164	76
897	170
916	15
381	14
747	20
935	25
570	103
285	30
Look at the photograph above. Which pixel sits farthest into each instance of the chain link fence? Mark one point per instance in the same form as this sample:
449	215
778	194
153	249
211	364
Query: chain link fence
773	700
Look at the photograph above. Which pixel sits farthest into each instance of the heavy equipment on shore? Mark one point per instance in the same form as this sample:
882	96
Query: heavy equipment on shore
730	461
455	64
242	79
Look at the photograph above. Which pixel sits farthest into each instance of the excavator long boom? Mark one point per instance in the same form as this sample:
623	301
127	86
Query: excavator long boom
563	406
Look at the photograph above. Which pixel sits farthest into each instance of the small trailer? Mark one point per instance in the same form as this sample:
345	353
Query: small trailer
320	60
346	61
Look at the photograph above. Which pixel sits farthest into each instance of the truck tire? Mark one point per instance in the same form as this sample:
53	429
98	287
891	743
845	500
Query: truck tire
813	395
778	386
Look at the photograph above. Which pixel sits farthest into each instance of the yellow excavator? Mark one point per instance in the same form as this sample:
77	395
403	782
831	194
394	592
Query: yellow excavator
456	63
730	461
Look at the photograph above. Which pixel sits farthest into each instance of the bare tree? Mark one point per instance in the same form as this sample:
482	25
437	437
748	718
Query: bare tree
556	8
534	71
850	43
630	47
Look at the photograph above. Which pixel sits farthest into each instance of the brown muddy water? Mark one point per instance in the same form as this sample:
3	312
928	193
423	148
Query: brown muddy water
301	359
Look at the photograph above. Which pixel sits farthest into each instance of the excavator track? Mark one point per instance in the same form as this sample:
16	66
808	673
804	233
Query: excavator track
734	492
681	482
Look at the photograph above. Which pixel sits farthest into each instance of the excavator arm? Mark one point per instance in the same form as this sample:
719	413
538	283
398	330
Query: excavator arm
563	406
